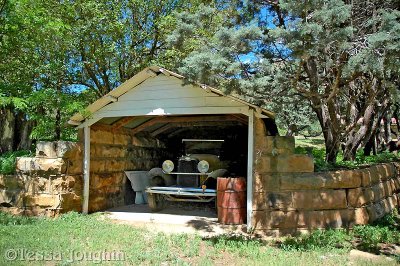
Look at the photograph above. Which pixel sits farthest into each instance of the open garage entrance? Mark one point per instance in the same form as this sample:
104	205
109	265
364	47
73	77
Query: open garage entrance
142	123
221	140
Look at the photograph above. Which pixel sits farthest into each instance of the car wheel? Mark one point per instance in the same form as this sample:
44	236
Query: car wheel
156	202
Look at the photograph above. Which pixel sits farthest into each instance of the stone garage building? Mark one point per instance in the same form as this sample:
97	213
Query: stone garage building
142	122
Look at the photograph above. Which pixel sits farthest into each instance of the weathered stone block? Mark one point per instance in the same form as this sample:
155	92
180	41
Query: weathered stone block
122	139
70	202
323	180
329	219
381	190
259	128
272	201
296	163
49	165
46	149
374	174
366	178
377	173
74	167
101	136
266	182
277	145
97	165
278	219
111	151
11	197
58	149
119	178
11	182
65	184
279	200
392	202
361	216
379	209
114	165
320	200
43	200
358	197
102	180
396	183
398	199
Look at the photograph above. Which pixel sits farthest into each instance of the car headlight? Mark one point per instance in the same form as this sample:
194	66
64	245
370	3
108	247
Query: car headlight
203	166
168	166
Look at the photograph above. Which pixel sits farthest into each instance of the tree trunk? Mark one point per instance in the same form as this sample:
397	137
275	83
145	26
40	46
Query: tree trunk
370	146
57	130
25	142
15	130
7	124
22	131
332	138
387	128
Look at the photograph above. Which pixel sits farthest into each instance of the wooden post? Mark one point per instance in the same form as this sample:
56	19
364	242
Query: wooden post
86	169
250	159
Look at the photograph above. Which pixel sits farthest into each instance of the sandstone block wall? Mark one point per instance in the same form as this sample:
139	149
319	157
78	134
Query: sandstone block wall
112	153
289	197
48	184
52	182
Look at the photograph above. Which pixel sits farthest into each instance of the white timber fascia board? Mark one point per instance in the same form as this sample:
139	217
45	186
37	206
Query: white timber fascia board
250	172
86	170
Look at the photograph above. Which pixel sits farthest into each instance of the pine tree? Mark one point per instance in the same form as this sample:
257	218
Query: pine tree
327	55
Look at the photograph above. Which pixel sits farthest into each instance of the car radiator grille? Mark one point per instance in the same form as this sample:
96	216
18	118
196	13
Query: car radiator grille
188	167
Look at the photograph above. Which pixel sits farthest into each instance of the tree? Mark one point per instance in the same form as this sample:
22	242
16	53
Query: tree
19	32
56	57
320	52
114	40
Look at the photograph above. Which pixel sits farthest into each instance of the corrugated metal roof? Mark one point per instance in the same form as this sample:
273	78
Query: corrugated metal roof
143	75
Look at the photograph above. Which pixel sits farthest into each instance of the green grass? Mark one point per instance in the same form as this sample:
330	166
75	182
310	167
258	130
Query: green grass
74	233
316	143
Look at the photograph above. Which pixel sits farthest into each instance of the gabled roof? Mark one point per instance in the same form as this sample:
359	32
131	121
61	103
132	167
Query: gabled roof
139	78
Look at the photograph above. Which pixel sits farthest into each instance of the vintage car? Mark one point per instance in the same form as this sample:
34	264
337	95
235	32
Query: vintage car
191	177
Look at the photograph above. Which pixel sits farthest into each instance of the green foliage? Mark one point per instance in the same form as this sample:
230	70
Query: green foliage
360	161
294	57
391	220
384	230
364	237
7	219
245	247
319	239
95	233
371	236
51	109
8	161
57	57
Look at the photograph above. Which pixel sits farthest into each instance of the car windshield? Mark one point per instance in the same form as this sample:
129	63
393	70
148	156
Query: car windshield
196	146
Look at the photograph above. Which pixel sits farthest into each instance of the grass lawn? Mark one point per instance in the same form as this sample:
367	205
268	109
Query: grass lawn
312	142
74	238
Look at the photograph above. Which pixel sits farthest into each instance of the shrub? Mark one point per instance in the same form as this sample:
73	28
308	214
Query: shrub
361	160
371	236
320	239
384	230
8	161
8	219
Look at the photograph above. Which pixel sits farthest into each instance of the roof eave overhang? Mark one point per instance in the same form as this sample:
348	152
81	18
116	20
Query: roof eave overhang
152	71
